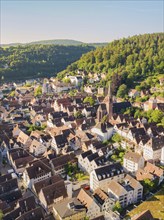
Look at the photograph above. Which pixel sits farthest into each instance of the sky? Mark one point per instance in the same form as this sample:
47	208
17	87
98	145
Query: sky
87	21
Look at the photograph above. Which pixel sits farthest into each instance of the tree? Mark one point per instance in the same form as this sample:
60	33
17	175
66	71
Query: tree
66	80
122	91
71	169
149	185
38	91
157	116
116	138
89	100
35	127
1	215
73	92
121	154
78	114
162	122
104	119
12	94
4	162
114	157
117	207
137	114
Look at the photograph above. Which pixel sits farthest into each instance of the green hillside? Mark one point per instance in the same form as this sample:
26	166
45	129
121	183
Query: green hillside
63	42
137	60
31	61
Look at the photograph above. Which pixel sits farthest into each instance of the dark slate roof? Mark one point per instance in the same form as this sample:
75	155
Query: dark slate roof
137	131
13	214
104	126
69	118
102	107
60	140
34	214
59	114
100	160
92	156
122	125
43	183
87	153
27	203
12	196
109	171
89	121
38	168
149	125
8	186
89	109
5	178
160	129
106	149
63	160
160	106
154	131
4	207
97	144
54	191
117	107
143	138
22	162
67	132
90	136
79	77
18	153
57	122
78	101
70	108
156	142
84	127
45	137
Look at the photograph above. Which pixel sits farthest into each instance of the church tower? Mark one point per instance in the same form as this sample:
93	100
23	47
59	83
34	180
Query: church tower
109	102
106	107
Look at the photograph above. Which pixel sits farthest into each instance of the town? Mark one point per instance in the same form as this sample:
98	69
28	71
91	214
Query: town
70	153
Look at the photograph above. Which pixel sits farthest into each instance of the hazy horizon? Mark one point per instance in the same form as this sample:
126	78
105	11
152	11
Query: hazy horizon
85	21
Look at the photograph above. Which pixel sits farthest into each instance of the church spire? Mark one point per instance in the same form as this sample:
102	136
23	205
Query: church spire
106	107
109	102
109	90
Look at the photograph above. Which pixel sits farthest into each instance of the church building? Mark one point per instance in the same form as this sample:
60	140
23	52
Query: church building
106	107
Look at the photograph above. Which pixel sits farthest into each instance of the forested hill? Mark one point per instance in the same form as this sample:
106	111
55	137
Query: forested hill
125	61
63	42
22	62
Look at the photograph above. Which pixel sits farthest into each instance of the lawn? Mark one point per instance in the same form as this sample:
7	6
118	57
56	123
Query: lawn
155	204
81	176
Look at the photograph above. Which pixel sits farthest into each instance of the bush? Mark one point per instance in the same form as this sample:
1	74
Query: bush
38	91
89	100
116	138
117	207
